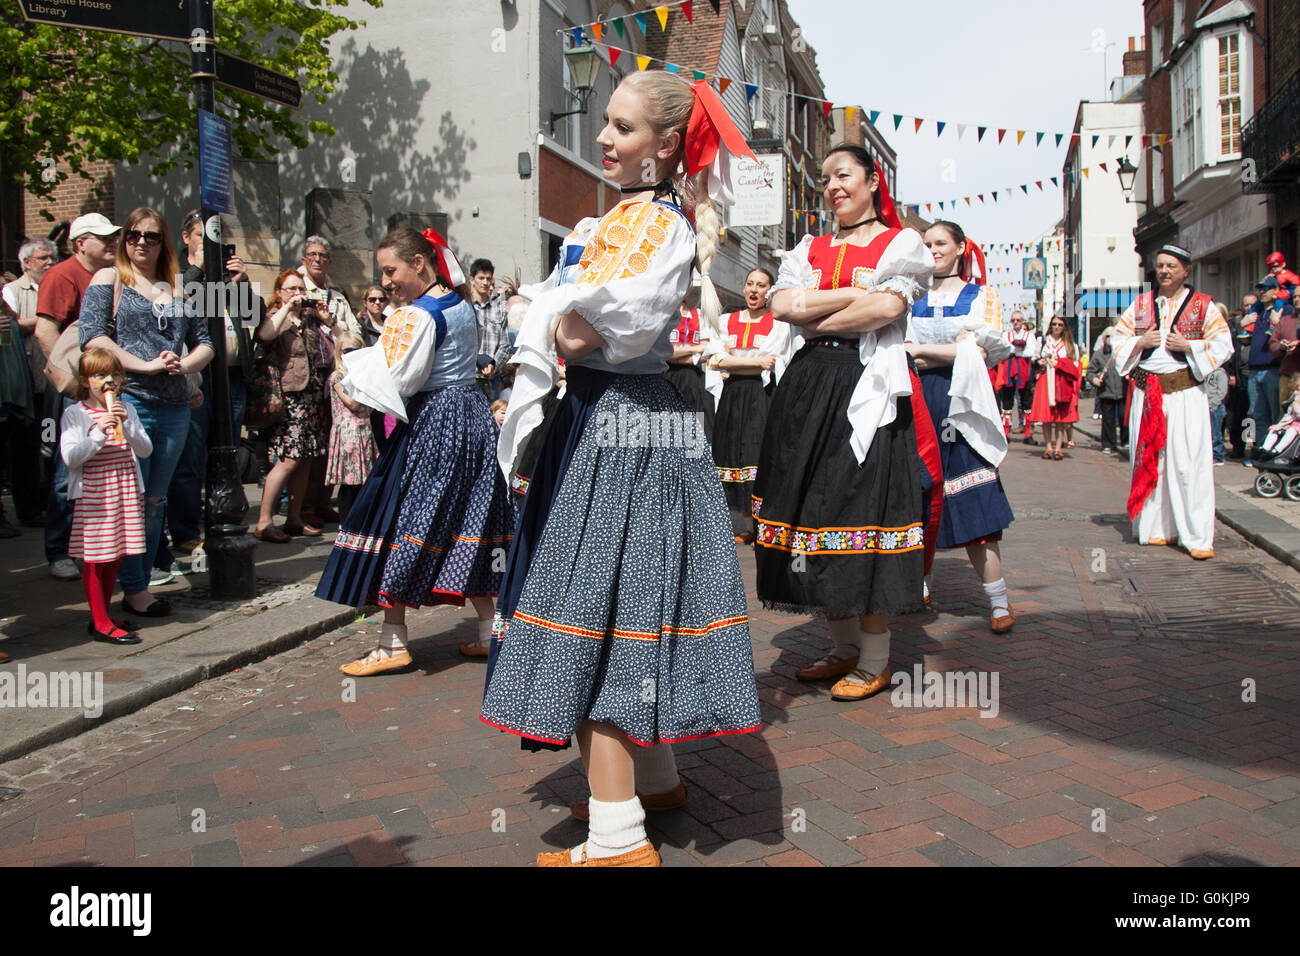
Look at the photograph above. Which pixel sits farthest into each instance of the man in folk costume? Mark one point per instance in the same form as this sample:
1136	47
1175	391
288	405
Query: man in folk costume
1168	342
1015	375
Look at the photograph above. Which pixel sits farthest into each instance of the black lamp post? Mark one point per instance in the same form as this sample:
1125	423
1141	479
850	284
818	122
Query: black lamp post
1127	178
583	66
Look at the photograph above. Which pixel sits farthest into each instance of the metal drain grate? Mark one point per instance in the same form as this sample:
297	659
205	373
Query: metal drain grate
1225	603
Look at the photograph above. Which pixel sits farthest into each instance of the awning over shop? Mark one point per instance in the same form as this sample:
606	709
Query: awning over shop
1112	301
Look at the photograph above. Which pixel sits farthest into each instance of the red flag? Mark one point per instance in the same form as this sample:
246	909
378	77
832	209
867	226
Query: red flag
918	121
826	109
613	54
687	7
1001	133
723	83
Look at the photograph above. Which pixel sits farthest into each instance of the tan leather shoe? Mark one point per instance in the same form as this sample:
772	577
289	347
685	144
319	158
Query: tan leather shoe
373	664
650	802
1001	625
828	667
853	690
470	649
644	855
1157	542
1202	554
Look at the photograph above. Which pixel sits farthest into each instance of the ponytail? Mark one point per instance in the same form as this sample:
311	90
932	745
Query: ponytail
707	229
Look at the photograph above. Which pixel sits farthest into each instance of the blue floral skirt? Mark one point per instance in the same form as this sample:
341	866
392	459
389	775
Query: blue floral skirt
432	523
975	508
623	601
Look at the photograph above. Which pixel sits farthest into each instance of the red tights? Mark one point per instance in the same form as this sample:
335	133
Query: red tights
98	578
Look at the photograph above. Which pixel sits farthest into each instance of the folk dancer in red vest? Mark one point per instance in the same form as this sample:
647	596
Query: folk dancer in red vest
1015	375
753	355
1168	342
691	342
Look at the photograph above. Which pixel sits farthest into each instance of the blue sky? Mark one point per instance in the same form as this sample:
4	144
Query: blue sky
996	63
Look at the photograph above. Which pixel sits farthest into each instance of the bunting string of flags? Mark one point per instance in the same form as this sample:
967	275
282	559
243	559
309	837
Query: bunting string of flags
686	8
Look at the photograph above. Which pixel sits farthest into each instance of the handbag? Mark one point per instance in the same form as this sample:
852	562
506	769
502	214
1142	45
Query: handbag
65	358
265	394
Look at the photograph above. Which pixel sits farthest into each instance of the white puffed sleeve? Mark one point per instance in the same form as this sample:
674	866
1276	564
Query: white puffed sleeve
625	291
905	270
795	271
395	367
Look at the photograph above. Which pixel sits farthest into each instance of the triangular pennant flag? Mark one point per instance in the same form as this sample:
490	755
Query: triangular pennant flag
1094	141
723	83
981	131
642	62
826	109
662	14
717	7
1146	141
995	197
848	114
671	67
927	209
1085	171
1059	137
898	118
1163	139
750	90
688	8
1001	133
941	205
1039	141
1103	166
1025	188
698	74
961	130
1111	144
939	125
1127	141
1020	135
980	197
875	114
1158	150
640	21
613	54
597	29
618	26
917	121
577	36
1039	184
967	198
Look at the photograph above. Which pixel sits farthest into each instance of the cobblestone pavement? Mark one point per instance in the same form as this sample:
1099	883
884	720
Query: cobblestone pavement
1146	715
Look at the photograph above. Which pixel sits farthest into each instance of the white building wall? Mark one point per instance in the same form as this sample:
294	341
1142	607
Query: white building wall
1107	220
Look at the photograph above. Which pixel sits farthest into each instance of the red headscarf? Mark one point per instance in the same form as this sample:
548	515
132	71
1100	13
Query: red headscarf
973	264
888	215
446	262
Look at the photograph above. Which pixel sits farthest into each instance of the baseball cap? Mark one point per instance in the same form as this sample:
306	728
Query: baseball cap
91	224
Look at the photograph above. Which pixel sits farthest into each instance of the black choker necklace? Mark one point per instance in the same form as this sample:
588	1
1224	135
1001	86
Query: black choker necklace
862	223
953	275
662	186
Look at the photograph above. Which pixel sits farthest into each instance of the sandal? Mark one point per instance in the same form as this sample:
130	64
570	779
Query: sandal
1047	455
293	530
270	534
1058	456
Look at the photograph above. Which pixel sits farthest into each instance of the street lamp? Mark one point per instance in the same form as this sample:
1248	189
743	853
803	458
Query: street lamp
1127	178
583	65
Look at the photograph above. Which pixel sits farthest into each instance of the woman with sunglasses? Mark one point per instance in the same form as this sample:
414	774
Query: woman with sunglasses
1056	397
131	310
378	306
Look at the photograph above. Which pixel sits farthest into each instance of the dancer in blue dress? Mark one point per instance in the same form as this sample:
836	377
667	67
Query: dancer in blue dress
433	521
955	336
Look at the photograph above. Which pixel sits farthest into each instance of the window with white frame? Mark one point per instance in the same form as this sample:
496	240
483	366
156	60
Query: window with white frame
1229	92
1179	25
1157	177
1157	44
1185	88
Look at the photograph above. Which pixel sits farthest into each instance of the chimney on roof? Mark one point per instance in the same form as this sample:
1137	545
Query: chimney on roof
1135	59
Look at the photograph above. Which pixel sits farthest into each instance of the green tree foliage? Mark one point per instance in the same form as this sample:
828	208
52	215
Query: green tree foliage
78	95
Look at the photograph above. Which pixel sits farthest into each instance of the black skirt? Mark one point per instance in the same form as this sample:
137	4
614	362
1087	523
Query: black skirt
742	419
836	536
689	382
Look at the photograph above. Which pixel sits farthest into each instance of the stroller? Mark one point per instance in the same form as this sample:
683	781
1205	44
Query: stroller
1278	459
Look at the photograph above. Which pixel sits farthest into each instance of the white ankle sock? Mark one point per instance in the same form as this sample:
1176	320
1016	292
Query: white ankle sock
484	632
997	592
873	653
925	586
614	828
844	633
392	639
656	769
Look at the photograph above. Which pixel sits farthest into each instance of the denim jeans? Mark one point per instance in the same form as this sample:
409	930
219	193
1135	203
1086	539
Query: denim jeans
1262	384
1217	418
58	510
168	427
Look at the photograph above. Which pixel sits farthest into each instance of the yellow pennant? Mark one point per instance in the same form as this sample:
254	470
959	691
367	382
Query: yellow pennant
1085	171
1020	133
662	14
642	62
848	114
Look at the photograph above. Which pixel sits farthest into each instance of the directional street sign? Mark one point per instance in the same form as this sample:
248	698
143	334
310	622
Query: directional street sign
248	77
165	19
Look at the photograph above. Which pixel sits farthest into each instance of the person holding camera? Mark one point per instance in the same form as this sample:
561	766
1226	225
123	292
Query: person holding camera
295	330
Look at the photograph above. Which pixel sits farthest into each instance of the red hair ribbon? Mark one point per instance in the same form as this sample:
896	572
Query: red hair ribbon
973	261
886	211
447	264
710	126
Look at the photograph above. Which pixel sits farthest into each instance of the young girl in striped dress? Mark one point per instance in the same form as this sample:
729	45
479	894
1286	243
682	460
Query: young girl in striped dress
101	439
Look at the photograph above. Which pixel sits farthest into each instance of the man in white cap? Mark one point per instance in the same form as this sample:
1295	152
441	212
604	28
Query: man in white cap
58	303
1168	342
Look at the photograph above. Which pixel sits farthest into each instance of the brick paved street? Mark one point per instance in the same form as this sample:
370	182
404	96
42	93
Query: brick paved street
1121	690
